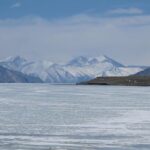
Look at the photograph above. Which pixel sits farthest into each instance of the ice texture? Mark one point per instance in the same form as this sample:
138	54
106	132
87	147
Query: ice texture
70	117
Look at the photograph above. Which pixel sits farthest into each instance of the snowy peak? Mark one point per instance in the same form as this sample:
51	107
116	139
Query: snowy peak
82	61
14	63
16	60
79	61
100	58
112	61
77	70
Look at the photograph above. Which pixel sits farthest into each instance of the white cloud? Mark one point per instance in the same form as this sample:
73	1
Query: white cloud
16	5
126	11
124	38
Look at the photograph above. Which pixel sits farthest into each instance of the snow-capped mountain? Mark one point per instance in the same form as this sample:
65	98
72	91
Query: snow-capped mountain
11	76
98	66
76	70
38	69
14	63
86	61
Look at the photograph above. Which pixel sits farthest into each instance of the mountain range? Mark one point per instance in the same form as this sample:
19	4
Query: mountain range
10	76
76	70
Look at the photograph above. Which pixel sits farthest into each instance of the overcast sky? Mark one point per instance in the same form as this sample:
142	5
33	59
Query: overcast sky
58	30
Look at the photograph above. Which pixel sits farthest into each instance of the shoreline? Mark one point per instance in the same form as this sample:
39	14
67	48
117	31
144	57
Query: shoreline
119	81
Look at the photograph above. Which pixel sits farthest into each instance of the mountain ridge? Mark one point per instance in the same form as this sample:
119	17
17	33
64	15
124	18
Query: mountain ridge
76	70
145	72
11	76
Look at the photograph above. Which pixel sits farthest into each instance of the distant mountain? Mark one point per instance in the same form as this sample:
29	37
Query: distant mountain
77	70
86	61
9	76
145	72
14	63
85	68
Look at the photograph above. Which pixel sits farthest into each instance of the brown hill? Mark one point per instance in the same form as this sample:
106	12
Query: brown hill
127	81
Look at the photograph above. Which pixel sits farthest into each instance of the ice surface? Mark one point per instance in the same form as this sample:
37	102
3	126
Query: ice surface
70	117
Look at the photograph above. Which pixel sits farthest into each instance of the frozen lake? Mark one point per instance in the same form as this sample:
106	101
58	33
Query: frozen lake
70	117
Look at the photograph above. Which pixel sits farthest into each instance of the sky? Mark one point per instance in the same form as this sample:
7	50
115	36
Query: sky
58	30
